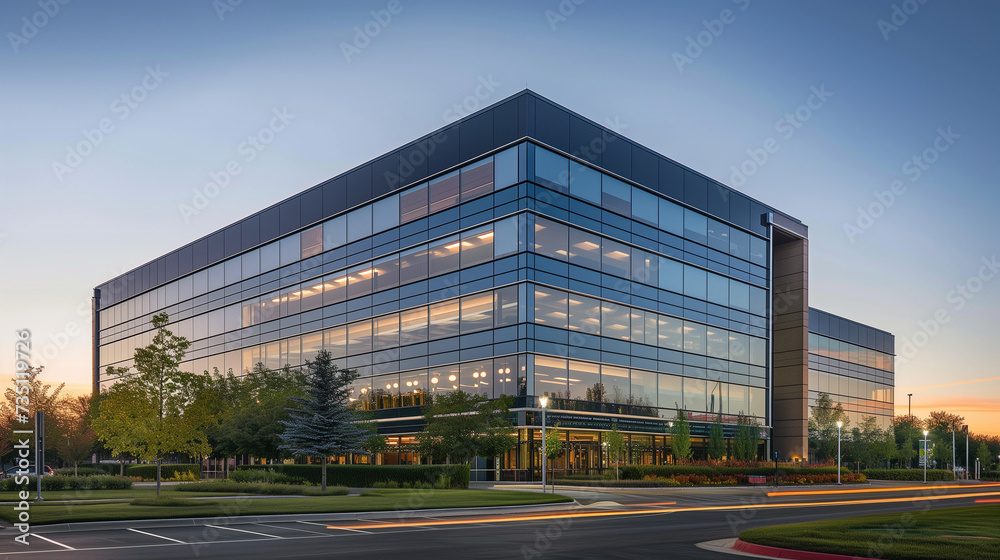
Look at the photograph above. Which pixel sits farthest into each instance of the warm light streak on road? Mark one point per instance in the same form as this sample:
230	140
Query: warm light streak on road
868	490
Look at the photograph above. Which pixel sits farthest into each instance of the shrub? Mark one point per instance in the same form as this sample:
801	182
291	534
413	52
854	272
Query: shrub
170	502
364	476
148	472
915	475
261	488
82	471
638	472
106	468
52	483
268	476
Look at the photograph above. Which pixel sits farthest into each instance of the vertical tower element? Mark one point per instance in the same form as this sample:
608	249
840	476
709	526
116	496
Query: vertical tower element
790	345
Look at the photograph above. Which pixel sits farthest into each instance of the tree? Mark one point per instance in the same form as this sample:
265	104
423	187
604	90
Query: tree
716	440
553	446
681	437
324	424
746	438
823	426
74	422
39	396
145	413
984	455
616	446
941	424
907	432
461	426
870	444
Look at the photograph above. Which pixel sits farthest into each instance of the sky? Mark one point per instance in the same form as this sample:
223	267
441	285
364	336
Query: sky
872	121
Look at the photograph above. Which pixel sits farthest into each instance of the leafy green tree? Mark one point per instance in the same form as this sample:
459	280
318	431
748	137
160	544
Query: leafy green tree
716	440
553	446
77	439
746	439
461	426
145	413
35	395
985	456
907	433
823	426
871	445
680	441
616	446
324	423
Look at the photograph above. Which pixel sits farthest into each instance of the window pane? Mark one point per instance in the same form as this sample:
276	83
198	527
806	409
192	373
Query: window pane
584	182
550	377
216	277
312	343
644	206
551	307
615	322
386	273
739	399
359	280
444	192
694	282
739	350
671	275
505	168
311	242
413	265
444	379
250	264
644	266
506	306
637	317
695	227
234	273
334	233
335	341
359	337
477	179
551	170
718	394
269	307
718	236
585	382
739	244
200	283
739	295
385	214
695	391
477	312
616	384
669	390
643	388
475	376
386	332
671	218
413	326
615	258
444	255
505	240
505	376
443	319
551	239
334	288
359	223
617	195
584	248
413	388
694	337
290	249
413	203
758	301
758	251
717	343
290	299
312	295
477	246
584	314
718	289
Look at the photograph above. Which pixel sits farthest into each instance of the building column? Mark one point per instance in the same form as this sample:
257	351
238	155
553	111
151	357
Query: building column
790	343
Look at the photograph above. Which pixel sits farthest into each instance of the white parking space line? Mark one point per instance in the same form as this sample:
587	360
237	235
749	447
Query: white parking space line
245	531
53	542
328	526
291	529
157	536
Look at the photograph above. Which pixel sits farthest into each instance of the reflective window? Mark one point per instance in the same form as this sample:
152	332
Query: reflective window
311	242
386	333
616	384
413	203
551	170
334	288
615	320
234	273
643	388
551	307
584	314
386	273
695	227
758	251
584	182
551	239
671	217
413	326
695	392
312	343
718	289
359	337
359	223
475	376
644	267
718	395
477	246
505	168
505	376
216	277
758	351
550	377
717	343
739	399
269	259
312	295
585	382
694	337
695	280
385	214
444	192
739	244
250	263
506	238
335	233
739	295
615	258
444	379
477	179
290	301
413	264
185	289
444	255
443	319
413	388
718	236
616	195
669	390
644	206
506	306
671	275
290	249
758	301
269	307
739	347
360	280
670	333
477	312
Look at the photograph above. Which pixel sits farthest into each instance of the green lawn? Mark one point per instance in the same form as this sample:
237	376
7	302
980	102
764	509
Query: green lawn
52	511
928	535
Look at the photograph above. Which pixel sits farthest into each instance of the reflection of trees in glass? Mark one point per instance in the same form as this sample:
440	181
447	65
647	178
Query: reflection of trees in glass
823	426
596	393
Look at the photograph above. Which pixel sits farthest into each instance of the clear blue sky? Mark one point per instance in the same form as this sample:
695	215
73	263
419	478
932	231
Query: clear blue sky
893	90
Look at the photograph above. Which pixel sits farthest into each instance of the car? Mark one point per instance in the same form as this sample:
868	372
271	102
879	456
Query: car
12	472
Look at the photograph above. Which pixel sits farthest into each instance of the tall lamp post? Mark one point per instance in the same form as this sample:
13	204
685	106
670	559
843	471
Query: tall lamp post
926	455
544	401
966	427
909	404
839	425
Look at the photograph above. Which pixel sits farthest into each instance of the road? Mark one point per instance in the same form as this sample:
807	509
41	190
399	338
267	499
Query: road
609	524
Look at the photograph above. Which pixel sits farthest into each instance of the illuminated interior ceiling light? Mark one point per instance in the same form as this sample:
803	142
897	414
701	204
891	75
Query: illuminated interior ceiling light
617	255
562	252
342	279
365	390
367	272
434	380
587	245
486	235
388	385
395	385
467	243
453	246
475	374
500	370
318	287
507	370
409	384
454	386
452	377
275	300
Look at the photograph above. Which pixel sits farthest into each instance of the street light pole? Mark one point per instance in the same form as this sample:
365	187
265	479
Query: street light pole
954	467
839	425
926	456
966	451
909	404
544	401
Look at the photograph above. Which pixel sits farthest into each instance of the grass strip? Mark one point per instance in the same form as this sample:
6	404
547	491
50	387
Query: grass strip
939	534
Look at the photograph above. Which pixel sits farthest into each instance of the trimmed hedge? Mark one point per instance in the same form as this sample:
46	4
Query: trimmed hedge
364	476
82	471
256	476
639	472
108	468
99	482
262	488
916	475
148	472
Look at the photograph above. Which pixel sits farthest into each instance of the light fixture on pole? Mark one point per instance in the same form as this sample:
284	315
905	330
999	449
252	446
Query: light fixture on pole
954	467
544	402
839	425
926	456
909	404
966	428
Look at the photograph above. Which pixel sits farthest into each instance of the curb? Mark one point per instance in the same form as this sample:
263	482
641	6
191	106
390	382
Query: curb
278	518
774	552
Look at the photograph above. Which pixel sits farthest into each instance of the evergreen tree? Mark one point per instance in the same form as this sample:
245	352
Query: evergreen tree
746	439
324	424
681	438
716	440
